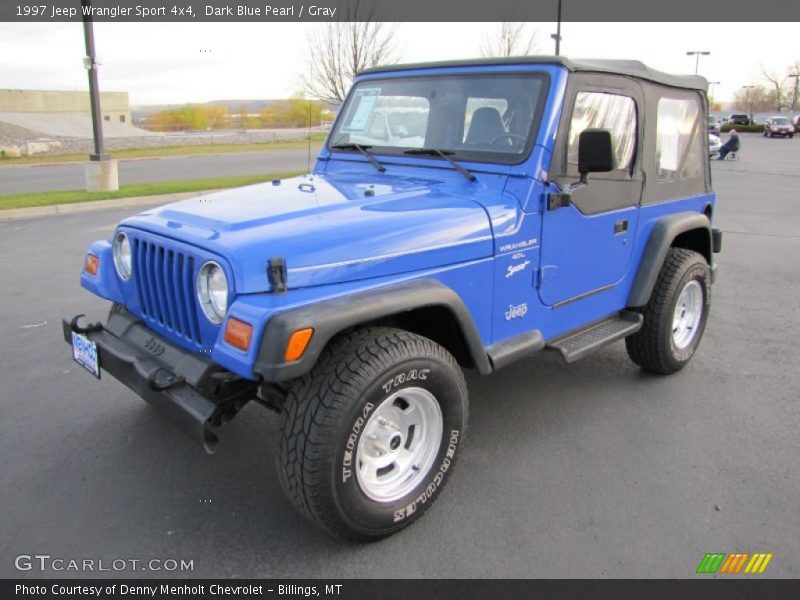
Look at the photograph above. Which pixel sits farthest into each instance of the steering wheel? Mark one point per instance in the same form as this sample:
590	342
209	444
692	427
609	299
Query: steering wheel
508	136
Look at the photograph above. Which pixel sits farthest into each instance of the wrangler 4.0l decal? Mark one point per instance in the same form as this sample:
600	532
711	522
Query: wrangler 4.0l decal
518	245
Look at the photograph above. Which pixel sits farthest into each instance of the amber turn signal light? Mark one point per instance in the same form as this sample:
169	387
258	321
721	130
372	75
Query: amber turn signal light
298	342
238	333
92	264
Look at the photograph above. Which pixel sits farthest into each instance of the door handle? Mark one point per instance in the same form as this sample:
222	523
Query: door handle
621	226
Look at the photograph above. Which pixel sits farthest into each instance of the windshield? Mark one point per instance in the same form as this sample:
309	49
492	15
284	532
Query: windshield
483	118
780	121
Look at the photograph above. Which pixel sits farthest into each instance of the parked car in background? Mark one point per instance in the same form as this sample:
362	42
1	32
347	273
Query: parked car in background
740	119
778	126
714	144
395	126
714	124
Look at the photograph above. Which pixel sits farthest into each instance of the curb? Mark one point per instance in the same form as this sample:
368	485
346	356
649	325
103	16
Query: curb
33	212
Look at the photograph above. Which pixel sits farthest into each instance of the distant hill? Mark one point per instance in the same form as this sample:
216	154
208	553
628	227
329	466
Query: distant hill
139	113
252	106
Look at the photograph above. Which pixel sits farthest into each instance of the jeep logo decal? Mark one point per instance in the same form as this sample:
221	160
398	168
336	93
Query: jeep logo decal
516	312
153	346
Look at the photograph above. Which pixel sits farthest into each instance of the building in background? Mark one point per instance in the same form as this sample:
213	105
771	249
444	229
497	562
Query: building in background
115	105
53	121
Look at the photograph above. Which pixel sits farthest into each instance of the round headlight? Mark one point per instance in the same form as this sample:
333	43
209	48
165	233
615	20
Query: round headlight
212	291
123	261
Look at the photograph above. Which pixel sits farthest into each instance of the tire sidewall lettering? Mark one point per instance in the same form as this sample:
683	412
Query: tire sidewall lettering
352	441
409	509
365	513
405	377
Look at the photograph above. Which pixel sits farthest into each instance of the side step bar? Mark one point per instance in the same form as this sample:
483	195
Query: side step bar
582	342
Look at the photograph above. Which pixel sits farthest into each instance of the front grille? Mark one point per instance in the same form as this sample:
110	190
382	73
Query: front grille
165	286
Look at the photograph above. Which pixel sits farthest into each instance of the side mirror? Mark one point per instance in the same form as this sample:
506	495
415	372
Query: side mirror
595	152
595	155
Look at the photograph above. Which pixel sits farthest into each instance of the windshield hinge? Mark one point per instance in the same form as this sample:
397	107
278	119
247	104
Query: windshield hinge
276	274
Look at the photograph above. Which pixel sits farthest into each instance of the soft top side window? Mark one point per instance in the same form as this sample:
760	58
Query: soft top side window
679	146
600	110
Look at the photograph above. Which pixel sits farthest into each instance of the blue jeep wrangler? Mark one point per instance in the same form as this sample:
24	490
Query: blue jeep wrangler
460	215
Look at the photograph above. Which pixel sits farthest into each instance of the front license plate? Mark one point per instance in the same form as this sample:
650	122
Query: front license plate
84	351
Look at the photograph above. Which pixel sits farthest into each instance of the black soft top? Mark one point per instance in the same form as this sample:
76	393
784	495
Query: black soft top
630	68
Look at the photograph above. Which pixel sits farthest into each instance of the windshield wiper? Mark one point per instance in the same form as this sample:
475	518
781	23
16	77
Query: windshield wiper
364	150
445	154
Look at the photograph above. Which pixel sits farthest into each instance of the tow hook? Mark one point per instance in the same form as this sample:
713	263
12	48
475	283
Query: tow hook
90	328
169	380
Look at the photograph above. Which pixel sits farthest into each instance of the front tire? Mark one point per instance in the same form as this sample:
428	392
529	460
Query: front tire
369	437
676	315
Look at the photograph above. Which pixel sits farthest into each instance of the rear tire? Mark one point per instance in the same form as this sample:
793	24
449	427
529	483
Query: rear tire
369	437
676	315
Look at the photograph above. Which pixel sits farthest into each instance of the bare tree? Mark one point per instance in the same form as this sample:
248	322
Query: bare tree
509	39
753	99
338	51
778	83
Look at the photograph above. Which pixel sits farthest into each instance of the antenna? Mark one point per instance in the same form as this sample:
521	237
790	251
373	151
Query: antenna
308	163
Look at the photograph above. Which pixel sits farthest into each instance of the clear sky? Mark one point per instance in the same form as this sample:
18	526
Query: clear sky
178	63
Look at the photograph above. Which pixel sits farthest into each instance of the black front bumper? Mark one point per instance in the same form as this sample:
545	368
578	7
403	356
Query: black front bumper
188	388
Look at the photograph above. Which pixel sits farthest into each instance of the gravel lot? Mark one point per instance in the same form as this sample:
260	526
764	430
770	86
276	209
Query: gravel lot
588	470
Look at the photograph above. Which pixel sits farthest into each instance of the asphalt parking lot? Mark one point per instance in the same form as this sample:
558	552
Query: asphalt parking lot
586	470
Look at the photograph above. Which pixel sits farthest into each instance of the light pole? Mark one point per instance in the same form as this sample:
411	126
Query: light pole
557	35
101	171
747	89
712	84
91	64
697	54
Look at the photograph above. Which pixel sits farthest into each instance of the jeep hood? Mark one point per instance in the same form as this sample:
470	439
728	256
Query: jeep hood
330	230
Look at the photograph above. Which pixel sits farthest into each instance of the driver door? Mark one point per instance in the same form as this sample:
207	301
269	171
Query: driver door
586	247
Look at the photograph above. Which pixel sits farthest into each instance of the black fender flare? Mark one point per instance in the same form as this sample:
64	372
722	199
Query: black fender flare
658	244
330	317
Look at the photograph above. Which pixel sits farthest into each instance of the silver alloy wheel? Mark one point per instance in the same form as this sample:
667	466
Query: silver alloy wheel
399	444
686	318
